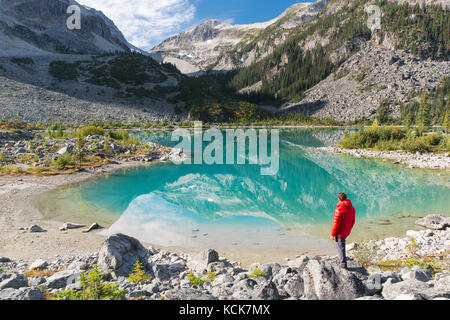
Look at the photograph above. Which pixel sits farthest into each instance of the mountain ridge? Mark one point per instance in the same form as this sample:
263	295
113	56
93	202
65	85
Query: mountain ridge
39	27
210	45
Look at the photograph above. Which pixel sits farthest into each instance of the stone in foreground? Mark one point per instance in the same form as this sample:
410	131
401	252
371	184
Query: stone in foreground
434	222
119	254
325	281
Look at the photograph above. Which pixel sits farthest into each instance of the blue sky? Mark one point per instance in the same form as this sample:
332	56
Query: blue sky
241	11
145	23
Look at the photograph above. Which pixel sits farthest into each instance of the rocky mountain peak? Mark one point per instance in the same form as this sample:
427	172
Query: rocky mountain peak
208	45
39	27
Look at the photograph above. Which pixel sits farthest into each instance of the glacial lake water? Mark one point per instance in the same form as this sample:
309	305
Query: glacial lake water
234	207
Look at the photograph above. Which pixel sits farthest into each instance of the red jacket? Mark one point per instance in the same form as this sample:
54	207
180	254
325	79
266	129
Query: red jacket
344	219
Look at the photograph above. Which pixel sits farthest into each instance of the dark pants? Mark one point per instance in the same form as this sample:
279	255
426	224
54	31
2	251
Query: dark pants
340	244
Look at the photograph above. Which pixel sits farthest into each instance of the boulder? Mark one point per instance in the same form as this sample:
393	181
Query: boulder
15	281
67	148
39	264
62	279
270	268
5	260
93	226
434	221
187	294
442	281
392	290
243	289
35	228
294	287
35	281
326	281
68	225
416	273
201	261
298	262
223	279
161	272
21	294
152	287
119	253
219	267
265	291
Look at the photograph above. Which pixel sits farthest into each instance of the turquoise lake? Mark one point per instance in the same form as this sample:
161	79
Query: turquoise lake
234	207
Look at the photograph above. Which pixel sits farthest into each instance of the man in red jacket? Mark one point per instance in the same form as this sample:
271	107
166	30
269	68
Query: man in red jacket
344	220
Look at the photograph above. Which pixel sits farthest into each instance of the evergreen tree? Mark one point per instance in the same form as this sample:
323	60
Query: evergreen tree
446	123
423	118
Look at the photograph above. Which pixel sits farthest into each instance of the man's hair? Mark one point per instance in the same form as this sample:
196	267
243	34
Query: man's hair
342	196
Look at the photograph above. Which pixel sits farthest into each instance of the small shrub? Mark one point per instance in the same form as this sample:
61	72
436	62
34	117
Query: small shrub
257	273
210	277
62	161
364	254
412	247
90	131
195	280
92	288
414	145
139	275
433	139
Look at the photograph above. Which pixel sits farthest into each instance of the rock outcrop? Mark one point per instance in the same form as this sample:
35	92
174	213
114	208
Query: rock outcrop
305	279
120	253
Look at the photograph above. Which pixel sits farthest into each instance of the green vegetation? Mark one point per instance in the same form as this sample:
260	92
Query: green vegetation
435	264
389	138
286	82
257	273
138	275
63	70
197	280
63	161
92	288
22	61
431	109
421	30
365	254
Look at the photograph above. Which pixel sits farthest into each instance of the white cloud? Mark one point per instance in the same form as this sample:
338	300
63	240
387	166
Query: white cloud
145	23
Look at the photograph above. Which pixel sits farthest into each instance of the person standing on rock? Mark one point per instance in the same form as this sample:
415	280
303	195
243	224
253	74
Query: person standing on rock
344	220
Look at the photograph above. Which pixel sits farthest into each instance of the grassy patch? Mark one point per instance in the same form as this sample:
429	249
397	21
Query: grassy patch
257	273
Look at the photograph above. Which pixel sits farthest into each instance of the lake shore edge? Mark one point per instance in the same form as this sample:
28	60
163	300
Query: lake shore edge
439	161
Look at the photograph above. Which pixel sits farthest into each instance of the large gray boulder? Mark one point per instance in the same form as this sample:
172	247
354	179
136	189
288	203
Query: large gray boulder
295	287
326	281
21	294
416	273
243	289
405	290
15	281
119	253
200	261
187	294
434	221
265	291
62	279
442	281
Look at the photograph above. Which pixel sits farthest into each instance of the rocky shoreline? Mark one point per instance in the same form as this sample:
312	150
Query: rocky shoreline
207	276
411	160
